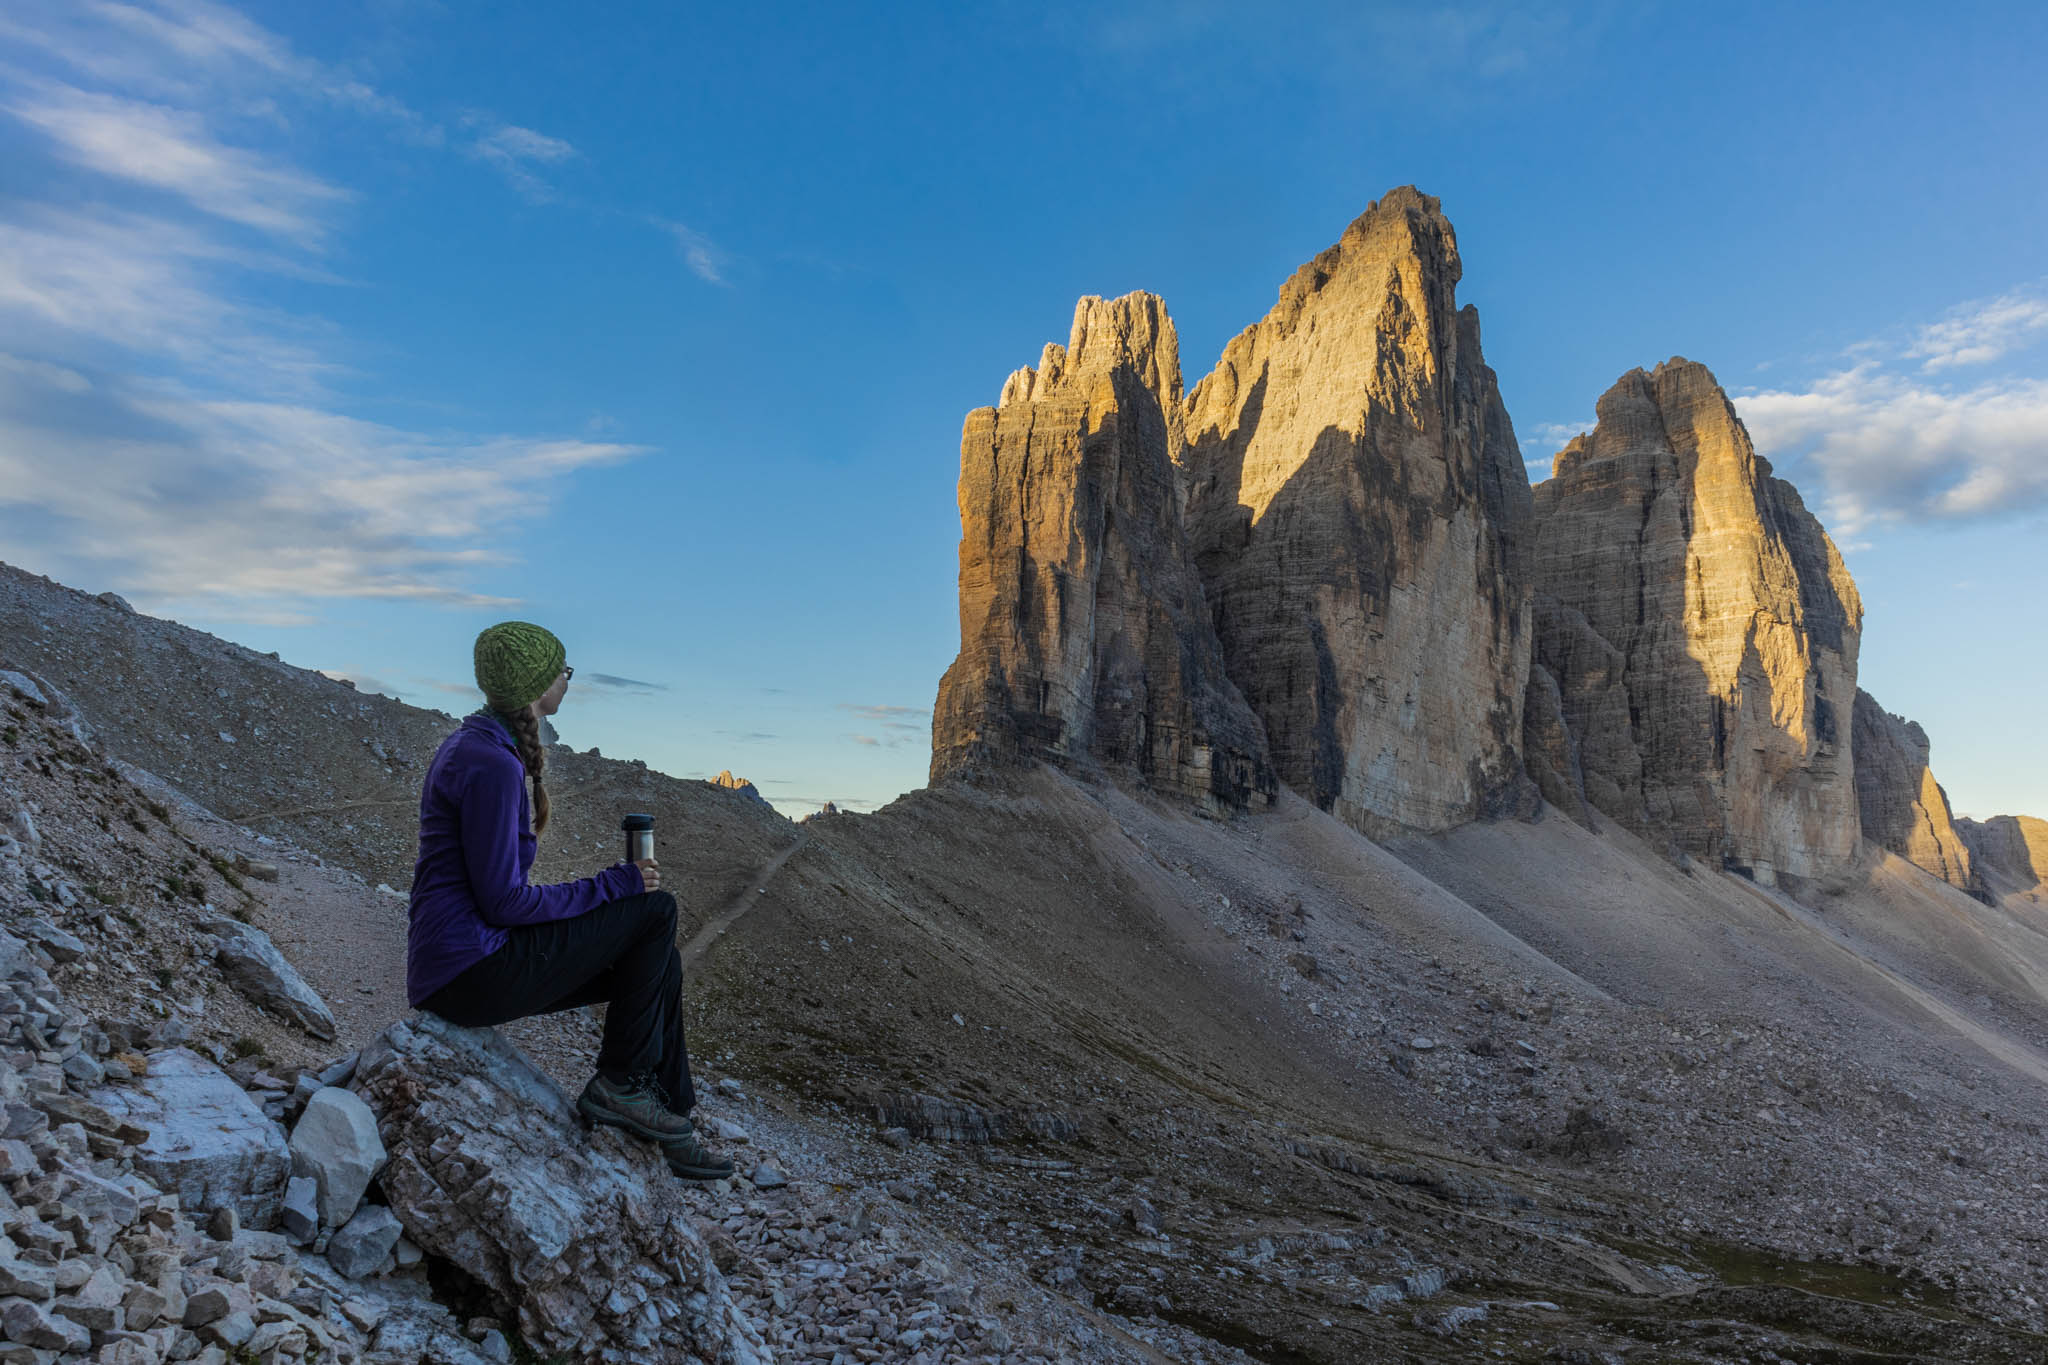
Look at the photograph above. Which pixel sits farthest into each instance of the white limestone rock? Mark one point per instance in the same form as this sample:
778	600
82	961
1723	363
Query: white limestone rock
208	1142
335	1144
253	964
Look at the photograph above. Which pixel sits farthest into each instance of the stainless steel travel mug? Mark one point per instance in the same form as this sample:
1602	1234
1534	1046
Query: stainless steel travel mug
639	837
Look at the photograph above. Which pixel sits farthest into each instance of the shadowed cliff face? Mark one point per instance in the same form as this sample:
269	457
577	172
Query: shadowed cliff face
1903	808
1082	623
1359	513
1731	625
2010	855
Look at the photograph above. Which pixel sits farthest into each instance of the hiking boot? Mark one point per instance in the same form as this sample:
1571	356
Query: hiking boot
688	1159
638	1106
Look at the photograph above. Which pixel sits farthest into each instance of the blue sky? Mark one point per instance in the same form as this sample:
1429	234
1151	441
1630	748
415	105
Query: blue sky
345	330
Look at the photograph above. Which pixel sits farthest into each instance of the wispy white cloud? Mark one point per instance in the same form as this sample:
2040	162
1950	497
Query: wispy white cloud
260	507
172	150
147	287
151	290
613	683
707	261
514	151
172	48
54	377
160	430
193	51
1404	43
1541	442
885	713
1893	448
1981	332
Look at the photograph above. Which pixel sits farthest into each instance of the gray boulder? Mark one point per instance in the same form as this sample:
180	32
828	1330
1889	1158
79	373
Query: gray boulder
24	684
258	970
364	1242
336	1144
490	1169
61	946
208	1142
31	1324
13	955
300	1216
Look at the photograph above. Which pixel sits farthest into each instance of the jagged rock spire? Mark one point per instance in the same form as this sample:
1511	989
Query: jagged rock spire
1686	591
1084	633
1360	512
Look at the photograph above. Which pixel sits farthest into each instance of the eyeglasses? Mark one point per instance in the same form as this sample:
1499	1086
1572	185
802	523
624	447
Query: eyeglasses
568	672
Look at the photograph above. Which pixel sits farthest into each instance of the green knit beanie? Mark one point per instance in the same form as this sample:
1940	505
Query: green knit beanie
516	661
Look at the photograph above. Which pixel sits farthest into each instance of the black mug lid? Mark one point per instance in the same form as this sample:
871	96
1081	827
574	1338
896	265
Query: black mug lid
636	823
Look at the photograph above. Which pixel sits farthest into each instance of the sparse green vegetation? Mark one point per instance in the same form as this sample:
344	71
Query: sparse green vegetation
246	1047
164	978
191	888
12	735
225	869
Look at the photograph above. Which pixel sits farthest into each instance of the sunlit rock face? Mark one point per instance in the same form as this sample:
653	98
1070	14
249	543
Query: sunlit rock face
1083	629
1359	513
1903	808
1730	625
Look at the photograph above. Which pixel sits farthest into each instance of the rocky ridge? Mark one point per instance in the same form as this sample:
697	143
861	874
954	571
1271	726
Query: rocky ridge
1330	527
1701	632
1901	806
2010	854
1334	532
1084	630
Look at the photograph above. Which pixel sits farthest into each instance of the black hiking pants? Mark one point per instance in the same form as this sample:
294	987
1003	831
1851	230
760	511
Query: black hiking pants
622	952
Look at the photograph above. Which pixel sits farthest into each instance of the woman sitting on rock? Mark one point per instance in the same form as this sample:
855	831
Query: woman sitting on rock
483	947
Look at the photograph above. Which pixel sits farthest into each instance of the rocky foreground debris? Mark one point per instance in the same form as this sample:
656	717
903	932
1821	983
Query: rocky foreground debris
585	1236
172	1188
159	1214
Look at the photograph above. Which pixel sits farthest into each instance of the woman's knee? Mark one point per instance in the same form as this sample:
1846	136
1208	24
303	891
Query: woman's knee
661	907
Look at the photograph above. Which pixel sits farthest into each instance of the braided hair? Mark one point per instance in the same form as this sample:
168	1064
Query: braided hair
525	727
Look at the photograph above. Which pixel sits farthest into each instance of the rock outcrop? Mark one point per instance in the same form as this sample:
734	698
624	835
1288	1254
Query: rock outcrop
1902	807
1702	630
1309	569
1084	633
2009	853
588	1242
252	963
738	786
1359	512
205	1140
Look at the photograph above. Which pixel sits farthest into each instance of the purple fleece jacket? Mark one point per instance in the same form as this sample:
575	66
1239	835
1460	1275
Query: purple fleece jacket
469	885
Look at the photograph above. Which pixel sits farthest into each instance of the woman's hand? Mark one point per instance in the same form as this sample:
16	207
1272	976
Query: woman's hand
650	875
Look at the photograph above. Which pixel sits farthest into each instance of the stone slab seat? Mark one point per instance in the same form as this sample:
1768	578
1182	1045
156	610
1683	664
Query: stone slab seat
583	1236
